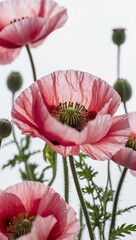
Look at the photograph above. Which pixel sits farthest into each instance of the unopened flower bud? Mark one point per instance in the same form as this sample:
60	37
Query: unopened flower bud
5	128
14	81
124	89
118	36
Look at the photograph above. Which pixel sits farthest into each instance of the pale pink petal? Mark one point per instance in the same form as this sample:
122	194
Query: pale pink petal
41	229
18	10
3	237
8	55
112	142
53	204
30	194
132	122
102	93
133	173
23	32
72	226
126	157
65	151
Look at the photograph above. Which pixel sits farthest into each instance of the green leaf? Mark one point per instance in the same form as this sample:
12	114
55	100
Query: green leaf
122	230
48	154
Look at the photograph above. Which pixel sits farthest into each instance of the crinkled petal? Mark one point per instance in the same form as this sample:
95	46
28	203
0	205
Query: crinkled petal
126	157
30	194
53	204
72	226
41	229
18	10
112	142
23	32
84	88
8	55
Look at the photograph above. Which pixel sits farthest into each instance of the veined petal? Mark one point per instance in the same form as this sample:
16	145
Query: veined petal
35	191
18	10
132	120
112	142
8	55
126	157
22	32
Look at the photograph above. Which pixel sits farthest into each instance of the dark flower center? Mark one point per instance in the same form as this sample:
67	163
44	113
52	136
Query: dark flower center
131	143
19	225
73	115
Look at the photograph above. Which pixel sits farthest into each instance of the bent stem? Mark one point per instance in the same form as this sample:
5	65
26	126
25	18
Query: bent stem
79	192
32	62
66	180
114	211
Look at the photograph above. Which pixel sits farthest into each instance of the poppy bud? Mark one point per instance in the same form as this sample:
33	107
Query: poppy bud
118	36
14	81
124	89
5	128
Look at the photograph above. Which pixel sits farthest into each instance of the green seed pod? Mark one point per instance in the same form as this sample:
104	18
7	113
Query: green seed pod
123	87
118	36
14	81
5	128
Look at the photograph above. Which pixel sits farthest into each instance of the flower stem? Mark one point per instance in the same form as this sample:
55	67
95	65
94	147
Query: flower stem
125	107
79	192
32	62
114	211
118	62
54	172
66	179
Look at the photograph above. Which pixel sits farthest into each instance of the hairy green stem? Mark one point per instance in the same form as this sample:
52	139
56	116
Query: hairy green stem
32	62
115	204
125	107
81	223
79	192
66	180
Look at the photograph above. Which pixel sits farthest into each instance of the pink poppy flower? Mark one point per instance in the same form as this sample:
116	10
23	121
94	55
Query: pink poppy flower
27	22
32	211
72	110
127	155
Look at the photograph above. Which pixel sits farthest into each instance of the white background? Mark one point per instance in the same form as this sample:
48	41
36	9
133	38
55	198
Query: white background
84	43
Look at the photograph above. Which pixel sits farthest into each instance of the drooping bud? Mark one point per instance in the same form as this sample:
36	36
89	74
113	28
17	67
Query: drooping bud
123	87
14	81
5	128
118	36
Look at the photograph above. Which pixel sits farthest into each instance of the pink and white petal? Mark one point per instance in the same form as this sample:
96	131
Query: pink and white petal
65	151
3	237
113	142
52	24
126	157
72	226
30	194
22	32
101	94
22	113
8	55
49	9
53	204
96	129
18	9
10	205
132	122
41	229
133	173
